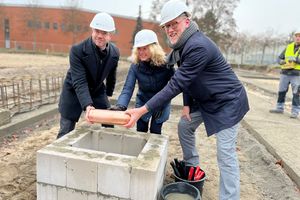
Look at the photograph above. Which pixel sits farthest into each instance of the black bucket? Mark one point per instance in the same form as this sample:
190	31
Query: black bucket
198	184
177	189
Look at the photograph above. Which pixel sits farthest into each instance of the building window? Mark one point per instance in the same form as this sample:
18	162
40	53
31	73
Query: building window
71	27
55	26
30	24
78	28
63	27
46	25
86	29
34	24
38	24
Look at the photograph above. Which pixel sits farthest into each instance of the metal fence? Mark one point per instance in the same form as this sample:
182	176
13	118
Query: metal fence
29	93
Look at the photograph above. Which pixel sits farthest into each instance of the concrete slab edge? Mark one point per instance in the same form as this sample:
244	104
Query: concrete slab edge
290	172
264	89
11	127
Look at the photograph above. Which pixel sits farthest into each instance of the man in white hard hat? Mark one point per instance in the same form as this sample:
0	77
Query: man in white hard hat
91	77
290	74
207	80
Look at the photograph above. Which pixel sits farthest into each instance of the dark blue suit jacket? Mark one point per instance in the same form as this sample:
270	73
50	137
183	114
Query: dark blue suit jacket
205	76
84	82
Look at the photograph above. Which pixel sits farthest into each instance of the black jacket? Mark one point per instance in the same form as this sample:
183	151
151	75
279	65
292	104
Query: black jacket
84	82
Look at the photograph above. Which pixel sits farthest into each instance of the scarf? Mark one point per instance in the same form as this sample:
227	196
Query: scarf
174	56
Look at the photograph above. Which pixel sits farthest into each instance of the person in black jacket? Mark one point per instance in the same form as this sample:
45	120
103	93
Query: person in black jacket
204	77
151	73
92	61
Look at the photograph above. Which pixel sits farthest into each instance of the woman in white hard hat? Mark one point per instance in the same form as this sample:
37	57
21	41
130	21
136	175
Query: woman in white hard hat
91	62
152	74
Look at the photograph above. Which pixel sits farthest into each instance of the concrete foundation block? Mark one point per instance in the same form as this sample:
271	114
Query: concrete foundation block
104	164
46	192
64	194
51	168
82	175
114	176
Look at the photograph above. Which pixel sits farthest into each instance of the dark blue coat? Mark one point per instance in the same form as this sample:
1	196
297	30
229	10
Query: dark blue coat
205	75
84	82
151	79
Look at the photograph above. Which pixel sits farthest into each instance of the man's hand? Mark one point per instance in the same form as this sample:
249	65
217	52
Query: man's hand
135	114
282	62
292	59
87	111
186	112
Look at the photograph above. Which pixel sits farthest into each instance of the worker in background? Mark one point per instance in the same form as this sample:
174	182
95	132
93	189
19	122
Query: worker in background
204	76
92	61
289	60
151	73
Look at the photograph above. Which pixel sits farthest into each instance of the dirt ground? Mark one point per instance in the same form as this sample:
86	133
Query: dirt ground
261	177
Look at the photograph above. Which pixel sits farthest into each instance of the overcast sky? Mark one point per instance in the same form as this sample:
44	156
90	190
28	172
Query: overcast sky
253	16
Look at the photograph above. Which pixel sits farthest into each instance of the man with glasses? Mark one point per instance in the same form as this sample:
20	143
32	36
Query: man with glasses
91	62
212	94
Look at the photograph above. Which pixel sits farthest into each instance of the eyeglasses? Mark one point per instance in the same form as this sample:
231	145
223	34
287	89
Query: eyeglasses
173	25
100	32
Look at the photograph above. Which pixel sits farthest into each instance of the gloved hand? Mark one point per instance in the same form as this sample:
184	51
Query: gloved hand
282	62
291	59
118	108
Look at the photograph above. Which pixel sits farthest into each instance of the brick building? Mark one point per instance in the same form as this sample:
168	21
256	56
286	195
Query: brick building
49	29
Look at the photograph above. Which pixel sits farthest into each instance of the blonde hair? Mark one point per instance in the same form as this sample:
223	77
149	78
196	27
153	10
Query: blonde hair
157	57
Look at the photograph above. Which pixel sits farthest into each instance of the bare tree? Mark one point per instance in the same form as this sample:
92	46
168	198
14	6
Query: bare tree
139	24
210	25
215	17
266	41
73	20
155	9
226	44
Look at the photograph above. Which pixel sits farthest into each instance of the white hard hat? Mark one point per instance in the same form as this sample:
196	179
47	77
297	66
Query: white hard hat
173	9
144	37
103	22
297	32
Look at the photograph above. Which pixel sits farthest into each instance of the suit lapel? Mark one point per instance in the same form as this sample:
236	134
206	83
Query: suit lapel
90	58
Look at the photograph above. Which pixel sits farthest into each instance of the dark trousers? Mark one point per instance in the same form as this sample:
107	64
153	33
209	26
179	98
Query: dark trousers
66	126
143	126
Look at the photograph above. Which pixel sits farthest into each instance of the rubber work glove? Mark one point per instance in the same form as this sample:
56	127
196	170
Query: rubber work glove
282	62
118	108
291	59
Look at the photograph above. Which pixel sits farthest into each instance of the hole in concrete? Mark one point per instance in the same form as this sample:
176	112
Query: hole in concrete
112	143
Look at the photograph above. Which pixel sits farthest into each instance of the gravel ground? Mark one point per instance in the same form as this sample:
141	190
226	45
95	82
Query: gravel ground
262	177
